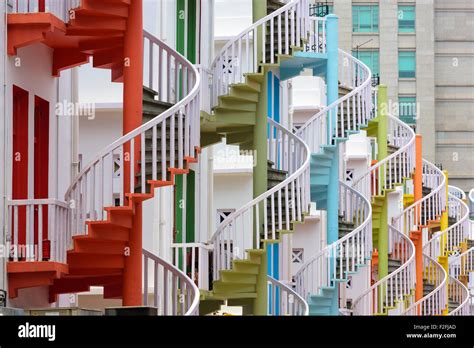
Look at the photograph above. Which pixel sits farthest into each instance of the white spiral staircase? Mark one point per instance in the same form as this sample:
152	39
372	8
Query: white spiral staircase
332	265
417	217
399	285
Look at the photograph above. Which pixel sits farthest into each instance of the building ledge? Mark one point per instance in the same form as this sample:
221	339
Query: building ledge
233	171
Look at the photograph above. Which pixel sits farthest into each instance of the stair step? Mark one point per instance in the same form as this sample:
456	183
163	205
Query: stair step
246	266
103	230
232	276
79	260
220	286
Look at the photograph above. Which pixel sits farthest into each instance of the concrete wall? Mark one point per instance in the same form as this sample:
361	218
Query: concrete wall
388	36
165	27
309	237
31	71
444	83
232	191
425	72
36	61
454	93
232	17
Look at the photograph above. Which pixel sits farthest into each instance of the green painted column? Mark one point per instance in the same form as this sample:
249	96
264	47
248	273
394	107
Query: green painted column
382	107
260	129
260	304
186	27
259	10
383	241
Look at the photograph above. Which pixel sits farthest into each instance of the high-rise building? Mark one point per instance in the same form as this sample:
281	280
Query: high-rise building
423	50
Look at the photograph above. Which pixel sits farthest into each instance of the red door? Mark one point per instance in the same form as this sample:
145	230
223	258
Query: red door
20	156
41	167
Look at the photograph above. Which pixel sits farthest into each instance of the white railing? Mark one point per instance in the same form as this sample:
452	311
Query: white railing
283	300
286	27
37	229
471	200
94	188
59	8
416	216
172	291
273	210
346	254
395	289
395	167
375	100
317	35
193	259
459	293
347	113
457	192
462	264
430	207
450	239
206	88
434	303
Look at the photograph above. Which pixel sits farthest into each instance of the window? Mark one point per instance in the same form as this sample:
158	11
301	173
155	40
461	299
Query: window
297	125
406	64
222	214
370	58
365	19
349	176
320	9
297	255
407	109
406	19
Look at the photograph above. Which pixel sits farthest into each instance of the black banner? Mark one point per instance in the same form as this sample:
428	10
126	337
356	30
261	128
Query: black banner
90	331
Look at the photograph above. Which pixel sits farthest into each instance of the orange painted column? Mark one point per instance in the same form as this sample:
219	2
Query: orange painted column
133	83
132	275
418	195
132	118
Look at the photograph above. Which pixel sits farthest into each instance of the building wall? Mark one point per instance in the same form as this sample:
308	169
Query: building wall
454	89
309	237
444	83
232	17
31	70
425	72
232	191
36	60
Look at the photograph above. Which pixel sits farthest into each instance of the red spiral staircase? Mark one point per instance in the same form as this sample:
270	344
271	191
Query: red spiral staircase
97	29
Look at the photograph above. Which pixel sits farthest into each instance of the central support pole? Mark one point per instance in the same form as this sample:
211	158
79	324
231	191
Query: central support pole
382	129
132	275
332	81
444	224
418	195
382	146
259	10
132	118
